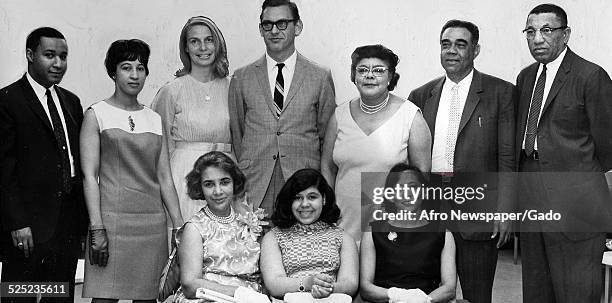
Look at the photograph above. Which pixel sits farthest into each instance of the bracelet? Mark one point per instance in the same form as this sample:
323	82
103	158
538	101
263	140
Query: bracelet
96	227
302	288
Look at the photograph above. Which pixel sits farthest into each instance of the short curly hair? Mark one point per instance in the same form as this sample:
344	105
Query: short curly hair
302	179
376	51
219	160
126	50
394	176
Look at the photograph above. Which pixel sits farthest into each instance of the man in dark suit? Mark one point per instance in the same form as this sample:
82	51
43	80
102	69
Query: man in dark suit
564	146
471	117
43	210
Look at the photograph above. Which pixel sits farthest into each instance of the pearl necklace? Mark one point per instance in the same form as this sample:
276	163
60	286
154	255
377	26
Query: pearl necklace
224	220
372	109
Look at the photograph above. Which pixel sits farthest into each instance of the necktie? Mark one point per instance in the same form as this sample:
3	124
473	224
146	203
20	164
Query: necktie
454	116
279	90
534	113
58	131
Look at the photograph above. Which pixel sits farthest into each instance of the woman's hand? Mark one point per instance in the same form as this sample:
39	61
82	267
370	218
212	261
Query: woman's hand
322	286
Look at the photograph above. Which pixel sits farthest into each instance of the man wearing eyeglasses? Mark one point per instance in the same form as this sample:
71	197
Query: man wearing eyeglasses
564	146
279	107
471	117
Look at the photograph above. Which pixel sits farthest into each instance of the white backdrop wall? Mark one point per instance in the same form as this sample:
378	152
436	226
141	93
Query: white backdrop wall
332	30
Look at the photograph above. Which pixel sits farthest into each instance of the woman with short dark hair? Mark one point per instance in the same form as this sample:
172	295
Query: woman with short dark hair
127	185
385	129
306	256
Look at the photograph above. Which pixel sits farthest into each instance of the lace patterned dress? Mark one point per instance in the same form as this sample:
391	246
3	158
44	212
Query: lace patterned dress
310	249
230	253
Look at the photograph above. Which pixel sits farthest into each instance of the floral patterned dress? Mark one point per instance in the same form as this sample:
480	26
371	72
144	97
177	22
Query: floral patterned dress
230	251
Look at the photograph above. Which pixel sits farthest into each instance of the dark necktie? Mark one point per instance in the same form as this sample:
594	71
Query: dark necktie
534	113
58	131
279	90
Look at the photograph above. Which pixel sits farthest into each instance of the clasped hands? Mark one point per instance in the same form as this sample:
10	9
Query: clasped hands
98	245
321	285
401	295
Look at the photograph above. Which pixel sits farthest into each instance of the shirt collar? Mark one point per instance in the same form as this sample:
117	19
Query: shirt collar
39	90
555	64
465	82
289	62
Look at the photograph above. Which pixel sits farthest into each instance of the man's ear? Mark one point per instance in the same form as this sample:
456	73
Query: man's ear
298	27
29	55
476	50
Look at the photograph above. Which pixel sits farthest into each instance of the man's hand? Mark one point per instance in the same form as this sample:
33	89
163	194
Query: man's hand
503	228
23	240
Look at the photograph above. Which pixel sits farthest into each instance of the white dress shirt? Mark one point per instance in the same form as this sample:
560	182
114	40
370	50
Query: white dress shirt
40	92
551	71
438	159
287	71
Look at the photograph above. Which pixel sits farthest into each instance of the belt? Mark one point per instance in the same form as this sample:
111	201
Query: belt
534	156
204	146
443	177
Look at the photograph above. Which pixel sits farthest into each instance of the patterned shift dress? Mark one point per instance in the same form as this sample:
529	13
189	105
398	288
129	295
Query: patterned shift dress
310	249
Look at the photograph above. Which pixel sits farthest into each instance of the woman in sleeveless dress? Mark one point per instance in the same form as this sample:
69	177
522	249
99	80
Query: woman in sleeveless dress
127	184
193	106
218	249
306	257
371	133
407	260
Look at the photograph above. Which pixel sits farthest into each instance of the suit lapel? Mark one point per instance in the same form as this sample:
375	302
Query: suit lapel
564	69
298	79
472	100
66	109
529	83
430	109
261	69
34	103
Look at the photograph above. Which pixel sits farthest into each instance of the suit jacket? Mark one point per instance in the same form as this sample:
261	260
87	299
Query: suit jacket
30	162
485	143
297	136
574	141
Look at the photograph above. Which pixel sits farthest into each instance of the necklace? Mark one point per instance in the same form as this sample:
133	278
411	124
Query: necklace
372	109
131	123
224	220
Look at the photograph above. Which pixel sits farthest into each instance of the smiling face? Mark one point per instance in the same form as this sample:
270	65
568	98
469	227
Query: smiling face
200	46
457	52
546	49
130	77
409	201
218	190
48	62
371	87
307	205
280	44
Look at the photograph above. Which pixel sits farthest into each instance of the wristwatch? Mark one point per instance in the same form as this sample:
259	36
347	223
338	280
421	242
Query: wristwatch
302	288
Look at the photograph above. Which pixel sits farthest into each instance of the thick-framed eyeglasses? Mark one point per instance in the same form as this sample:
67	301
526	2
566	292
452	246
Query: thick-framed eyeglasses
280	24
377	71
545	31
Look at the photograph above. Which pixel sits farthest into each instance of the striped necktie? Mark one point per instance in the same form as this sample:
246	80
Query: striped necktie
534	113
279	90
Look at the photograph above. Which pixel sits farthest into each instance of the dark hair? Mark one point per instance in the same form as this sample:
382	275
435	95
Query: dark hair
274	3
219	160
126	50
302	179
550	8
394	175
380	52
33	39
471	27
221	64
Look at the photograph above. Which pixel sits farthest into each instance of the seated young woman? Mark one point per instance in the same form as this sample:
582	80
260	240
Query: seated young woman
218	248
306	257
408	261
